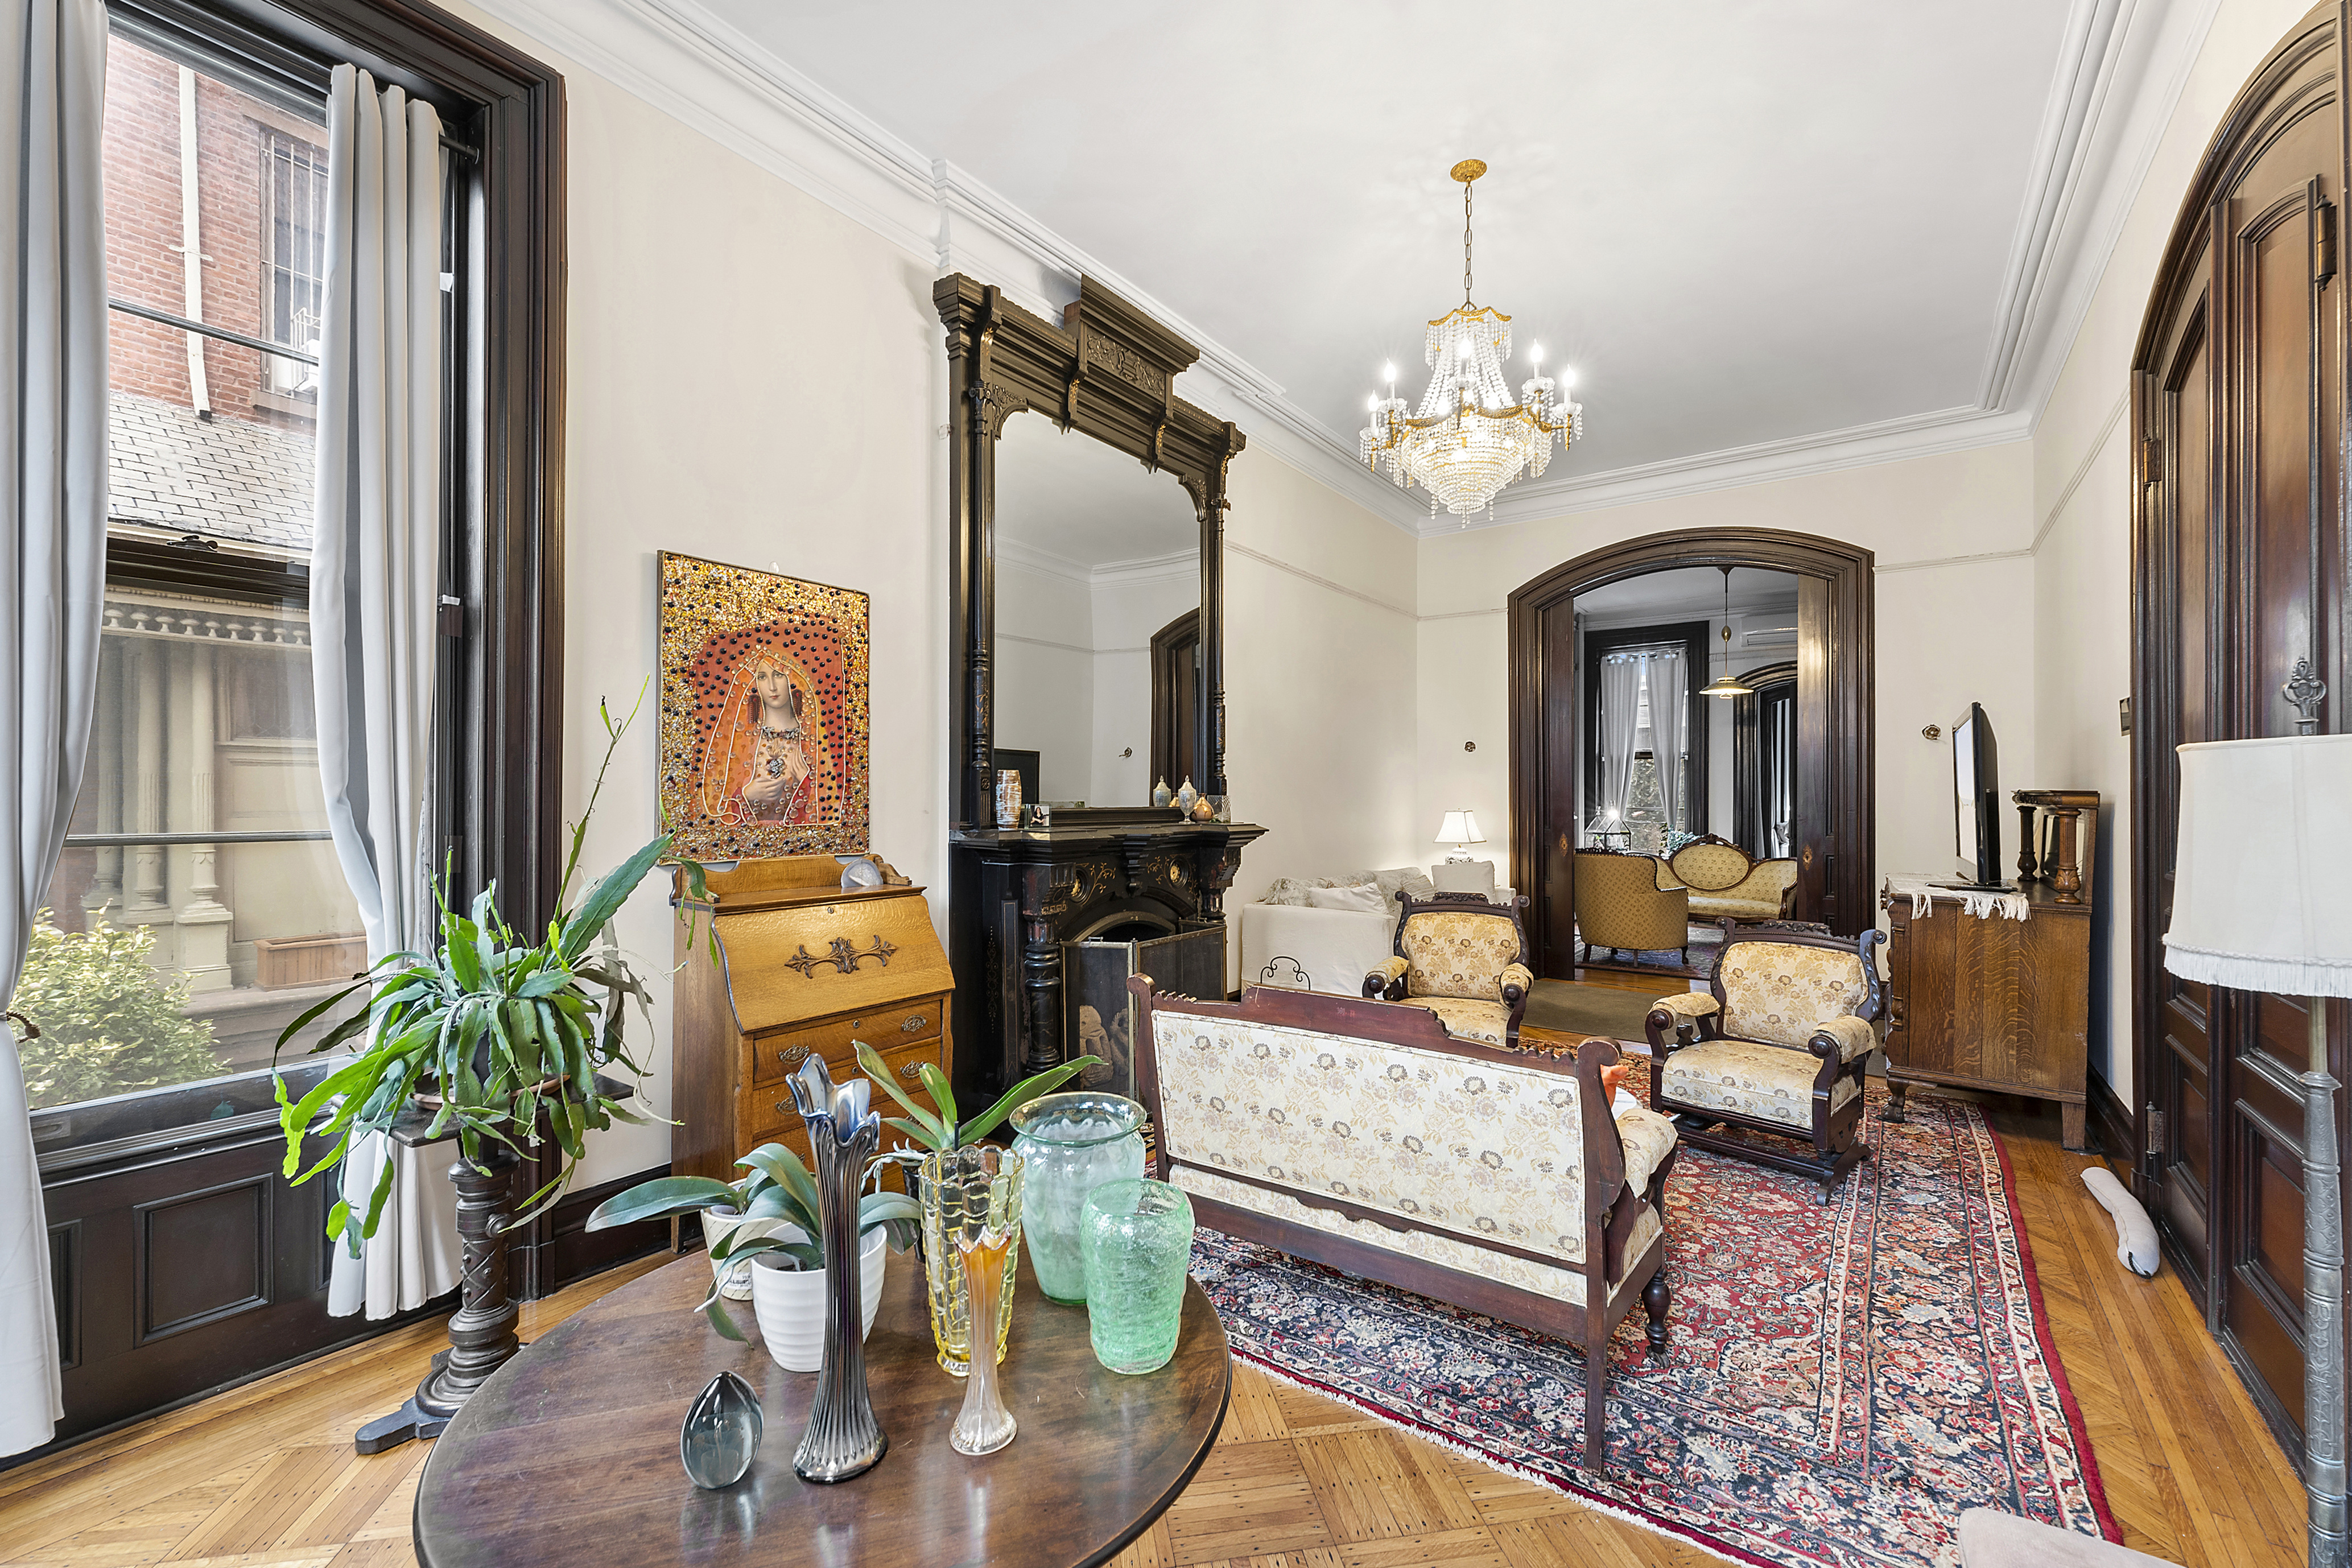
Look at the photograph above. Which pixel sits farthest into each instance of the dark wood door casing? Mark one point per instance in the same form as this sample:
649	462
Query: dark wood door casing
1836	789
2238	427
1176	700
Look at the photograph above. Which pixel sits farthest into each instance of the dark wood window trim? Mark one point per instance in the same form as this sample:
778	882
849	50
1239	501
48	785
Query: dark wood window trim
1693	637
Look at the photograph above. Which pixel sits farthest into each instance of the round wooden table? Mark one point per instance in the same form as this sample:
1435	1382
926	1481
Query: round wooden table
568	1455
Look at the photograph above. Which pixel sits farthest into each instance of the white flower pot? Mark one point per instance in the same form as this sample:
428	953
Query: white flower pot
789	1302
735	1278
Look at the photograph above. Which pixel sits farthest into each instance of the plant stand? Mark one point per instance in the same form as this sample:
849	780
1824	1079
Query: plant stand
482	1331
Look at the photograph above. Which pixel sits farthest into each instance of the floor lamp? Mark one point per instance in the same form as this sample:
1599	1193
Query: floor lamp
2258	905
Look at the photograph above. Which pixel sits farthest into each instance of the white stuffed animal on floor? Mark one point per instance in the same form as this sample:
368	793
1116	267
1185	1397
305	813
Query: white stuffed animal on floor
2134	1233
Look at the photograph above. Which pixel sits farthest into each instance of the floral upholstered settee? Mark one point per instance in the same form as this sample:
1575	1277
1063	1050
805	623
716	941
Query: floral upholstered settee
1725	884
1359	1135
1777	1044
1462	957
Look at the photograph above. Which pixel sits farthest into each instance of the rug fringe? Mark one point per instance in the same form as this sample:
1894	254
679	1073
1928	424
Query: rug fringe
1616	1510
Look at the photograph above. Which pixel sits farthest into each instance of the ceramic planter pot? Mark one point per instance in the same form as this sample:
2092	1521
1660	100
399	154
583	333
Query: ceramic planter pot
789	1302
734	1279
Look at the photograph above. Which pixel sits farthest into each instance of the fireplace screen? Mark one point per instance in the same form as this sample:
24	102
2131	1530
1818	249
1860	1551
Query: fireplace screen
1102	1011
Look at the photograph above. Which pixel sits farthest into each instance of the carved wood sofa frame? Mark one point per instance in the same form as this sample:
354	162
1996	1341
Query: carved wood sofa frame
1837	1145
1378	987
1608	1221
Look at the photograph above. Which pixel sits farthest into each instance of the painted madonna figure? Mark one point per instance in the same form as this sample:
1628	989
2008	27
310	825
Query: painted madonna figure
768	744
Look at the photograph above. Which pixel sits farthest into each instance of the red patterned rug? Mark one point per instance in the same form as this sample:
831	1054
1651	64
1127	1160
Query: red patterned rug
1841	1380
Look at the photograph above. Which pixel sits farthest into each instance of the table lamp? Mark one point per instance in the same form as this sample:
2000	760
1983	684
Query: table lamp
2258	905
1460	829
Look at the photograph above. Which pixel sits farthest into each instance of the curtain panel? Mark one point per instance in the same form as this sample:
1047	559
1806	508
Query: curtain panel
1621	718
375	574
1669	686
52	580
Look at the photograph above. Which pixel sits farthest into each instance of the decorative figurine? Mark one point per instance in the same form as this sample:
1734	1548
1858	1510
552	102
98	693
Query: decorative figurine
721	1435
1187	797
1162	795
843	1438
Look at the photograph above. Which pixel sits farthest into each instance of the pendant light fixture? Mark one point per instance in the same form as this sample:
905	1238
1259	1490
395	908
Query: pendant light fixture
1723	685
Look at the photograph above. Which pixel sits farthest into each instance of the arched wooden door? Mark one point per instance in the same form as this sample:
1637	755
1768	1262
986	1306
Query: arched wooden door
2238	405
1836	788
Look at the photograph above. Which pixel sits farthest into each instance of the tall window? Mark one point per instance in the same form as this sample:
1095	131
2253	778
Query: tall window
199	907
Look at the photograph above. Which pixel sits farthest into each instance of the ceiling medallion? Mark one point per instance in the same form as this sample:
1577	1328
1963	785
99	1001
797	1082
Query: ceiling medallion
1469	440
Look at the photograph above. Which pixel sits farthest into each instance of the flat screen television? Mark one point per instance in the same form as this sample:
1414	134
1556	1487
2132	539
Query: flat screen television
1976	804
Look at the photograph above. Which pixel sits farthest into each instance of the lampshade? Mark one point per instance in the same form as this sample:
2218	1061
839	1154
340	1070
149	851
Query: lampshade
2258	901
1460	828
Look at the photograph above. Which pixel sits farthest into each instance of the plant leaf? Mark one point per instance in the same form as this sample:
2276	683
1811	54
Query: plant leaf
1020	1094
658	1199
928	1137
870	1062
942	1093
612	890
784	1168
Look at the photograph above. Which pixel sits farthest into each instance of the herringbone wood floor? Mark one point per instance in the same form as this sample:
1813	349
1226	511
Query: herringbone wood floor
263	1476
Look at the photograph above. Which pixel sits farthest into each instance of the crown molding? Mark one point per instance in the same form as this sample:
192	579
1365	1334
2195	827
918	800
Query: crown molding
1110	573
2122	68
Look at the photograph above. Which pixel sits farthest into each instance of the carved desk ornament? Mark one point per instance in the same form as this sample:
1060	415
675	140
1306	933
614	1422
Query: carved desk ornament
842	1439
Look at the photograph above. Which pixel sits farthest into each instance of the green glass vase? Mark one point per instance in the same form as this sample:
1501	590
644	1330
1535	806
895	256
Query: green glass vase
1069	1146
1136	1241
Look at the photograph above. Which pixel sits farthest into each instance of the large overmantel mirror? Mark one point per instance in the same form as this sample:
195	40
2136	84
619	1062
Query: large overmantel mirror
1086	519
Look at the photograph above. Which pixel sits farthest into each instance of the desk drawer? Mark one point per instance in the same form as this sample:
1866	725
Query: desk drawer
776	1057
768	1116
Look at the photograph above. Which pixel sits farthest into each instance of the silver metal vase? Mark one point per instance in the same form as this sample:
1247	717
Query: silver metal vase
843	1438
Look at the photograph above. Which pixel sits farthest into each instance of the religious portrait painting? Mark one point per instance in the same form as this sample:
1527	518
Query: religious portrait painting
763	712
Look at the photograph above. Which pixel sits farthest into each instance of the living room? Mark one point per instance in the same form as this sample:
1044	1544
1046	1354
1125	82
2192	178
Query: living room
1099	548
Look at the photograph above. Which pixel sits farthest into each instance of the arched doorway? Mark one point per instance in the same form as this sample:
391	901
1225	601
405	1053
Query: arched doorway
1834	787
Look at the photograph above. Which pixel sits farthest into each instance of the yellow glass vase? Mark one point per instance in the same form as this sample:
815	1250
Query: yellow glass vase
964	1192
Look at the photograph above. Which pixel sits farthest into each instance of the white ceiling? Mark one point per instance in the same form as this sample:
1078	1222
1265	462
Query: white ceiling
1084	505
1692	591
1739	222
1774	236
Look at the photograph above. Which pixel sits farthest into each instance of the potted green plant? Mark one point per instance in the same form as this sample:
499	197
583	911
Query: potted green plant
940	1129
499	1038
770	1215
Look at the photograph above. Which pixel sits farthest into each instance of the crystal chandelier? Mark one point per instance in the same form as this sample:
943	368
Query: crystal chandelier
1469	440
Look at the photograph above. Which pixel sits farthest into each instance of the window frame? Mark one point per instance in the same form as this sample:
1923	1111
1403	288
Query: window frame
500	710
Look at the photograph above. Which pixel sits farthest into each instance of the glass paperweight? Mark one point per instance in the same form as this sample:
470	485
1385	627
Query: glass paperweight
1070	1144
721	1435
1136	1240
984	1425
965	1192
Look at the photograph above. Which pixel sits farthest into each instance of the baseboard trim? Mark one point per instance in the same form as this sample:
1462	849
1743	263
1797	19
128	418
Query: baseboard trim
570	1252
2116	1130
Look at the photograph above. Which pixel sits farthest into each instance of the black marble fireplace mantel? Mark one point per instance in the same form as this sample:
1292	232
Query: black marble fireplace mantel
1102	874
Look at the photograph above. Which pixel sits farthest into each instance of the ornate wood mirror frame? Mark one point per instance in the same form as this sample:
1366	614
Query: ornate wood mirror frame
1110	372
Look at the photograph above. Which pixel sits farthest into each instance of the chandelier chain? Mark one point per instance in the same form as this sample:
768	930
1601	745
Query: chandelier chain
1466	242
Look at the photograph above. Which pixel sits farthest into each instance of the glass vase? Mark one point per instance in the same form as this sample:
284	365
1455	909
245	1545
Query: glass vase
965	1192
1070	1144
984	1425
1136	1241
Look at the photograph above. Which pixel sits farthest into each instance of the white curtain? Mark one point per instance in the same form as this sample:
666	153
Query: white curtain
1669	685
375	586
52	578
1621	715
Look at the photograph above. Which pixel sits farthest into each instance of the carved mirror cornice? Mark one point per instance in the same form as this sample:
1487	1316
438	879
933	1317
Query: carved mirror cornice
1108	372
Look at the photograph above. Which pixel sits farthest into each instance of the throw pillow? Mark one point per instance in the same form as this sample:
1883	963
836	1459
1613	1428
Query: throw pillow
1289	890
1409	880
1465	877
1365	898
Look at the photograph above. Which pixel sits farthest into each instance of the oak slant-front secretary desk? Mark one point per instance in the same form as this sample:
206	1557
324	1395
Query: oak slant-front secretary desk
805	967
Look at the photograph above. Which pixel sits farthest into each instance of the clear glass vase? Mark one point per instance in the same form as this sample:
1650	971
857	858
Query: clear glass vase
1070	1144
964	1192
1137	1244
984	1425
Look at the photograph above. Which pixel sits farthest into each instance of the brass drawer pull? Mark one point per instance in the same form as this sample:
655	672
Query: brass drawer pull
913	1022
912	1073
791	1056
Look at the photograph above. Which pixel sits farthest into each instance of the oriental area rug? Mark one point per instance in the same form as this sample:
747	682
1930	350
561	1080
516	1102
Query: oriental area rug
1841	1381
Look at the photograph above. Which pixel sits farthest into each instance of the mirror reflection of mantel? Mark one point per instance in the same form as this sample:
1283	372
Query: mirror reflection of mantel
1086	520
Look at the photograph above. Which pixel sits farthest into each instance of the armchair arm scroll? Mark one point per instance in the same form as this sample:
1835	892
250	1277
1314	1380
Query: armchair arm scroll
1516	981
1850	1037
1389	977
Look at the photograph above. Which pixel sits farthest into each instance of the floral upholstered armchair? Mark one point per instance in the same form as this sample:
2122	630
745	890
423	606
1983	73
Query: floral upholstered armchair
1464	958
1777	1044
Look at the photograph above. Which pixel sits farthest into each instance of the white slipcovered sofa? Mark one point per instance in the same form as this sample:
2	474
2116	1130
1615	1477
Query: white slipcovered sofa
1294	947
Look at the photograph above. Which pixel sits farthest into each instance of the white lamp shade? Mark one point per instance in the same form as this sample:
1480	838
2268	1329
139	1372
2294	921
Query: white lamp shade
2258	901
1460	828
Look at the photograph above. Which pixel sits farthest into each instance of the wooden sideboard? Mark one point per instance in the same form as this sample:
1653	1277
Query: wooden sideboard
1997	1003
803	967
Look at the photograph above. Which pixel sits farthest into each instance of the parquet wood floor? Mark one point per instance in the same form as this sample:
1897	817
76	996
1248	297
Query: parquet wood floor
263	1477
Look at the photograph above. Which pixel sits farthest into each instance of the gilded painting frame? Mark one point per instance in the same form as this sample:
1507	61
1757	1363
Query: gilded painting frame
764	718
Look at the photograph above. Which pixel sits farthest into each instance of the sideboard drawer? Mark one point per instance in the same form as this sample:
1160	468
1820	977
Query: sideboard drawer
778	1056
